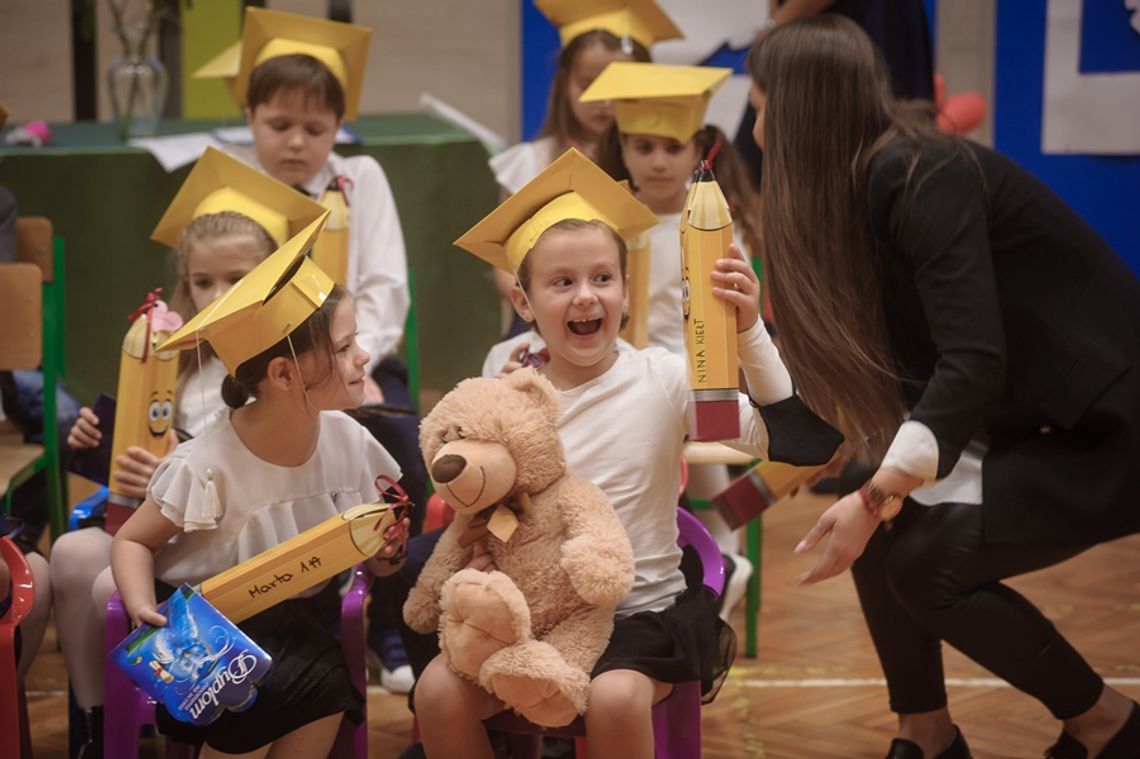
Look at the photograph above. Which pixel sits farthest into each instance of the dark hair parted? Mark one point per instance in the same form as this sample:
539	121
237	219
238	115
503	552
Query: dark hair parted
300	73
829	111
313	334
560	121
731	175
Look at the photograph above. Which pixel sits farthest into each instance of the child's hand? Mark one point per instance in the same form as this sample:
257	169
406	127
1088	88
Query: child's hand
516	361
137	466
481	560
148	614
734	282
85	432
388	559
372	391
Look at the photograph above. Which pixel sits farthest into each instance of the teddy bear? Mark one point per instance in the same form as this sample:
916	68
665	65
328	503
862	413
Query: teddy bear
530	630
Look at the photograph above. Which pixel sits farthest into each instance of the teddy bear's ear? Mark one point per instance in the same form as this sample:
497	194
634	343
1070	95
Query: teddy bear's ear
538	388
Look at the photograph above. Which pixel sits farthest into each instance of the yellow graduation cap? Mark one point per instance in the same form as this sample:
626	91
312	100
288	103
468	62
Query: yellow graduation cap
643	20
219	182
654	98
572	187
267	304
225	65
342	47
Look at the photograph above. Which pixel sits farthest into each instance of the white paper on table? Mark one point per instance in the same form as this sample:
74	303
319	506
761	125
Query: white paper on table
433	105
1084	113
241	135
176	150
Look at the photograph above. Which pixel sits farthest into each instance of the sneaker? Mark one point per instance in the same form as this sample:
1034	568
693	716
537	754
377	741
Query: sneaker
739	571
395	670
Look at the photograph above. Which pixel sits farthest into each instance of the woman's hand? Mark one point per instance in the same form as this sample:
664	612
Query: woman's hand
481	560
848	526
372	391
735	283
85	432
137	466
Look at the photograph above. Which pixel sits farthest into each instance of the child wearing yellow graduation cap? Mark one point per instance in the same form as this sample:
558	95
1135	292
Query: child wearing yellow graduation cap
225	219
298	78
594	33
656	142
260	474
623	423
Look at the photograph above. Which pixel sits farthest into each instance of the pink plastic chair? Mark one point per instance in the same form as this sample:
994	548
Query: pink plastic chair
15	740
677	719
133	709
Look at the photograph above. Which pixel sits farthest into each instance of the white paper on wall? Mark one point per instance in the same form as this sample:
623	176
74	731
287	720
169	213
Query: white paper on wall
1084	113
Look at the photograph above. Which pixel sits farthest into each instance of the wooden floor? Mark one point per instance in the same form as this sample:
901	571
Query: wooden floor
815	689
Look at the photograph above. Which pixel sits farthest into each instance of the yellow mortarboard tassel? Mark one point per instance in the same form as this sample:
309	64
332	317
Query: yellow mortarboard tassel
343	48
219	182
641	20
572	187
657	99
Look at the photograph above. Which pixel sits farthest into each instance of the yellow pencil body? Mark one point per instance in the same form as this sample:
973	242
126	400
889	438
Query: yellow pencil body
299	563
144	407
330	252
636	331
710	323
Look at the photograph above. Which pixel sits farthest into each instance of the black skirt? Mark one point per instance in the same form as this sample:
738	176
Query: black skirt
307	682
687	641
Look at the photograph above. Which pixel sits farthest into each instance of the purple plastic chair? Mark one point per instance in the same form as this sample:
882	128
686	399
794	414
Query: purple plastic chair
676	720
133	709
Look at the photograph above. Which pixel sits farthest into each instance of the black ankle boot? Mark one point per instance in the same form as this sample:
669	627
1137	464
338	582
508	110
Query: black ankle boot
1124	745
904	749
92	748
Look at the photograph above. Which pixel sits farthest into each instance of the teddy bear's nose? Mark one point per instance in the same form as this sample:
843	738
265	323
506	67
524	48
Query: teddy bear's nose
447	468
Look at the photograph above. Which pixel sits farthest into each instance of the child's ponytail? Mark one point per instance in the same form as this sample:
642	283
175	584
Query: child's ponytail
233	393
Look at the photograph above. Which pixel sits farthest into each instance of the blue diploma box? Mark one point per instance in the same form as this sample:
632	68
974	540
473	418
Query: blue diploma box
198	665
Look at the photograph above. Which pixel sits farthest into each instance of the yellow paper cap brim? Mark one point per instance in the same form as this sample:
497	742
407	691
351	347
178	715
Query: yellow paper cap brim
224	65
219	182
572	187
341	47
267	304
642	20
657	99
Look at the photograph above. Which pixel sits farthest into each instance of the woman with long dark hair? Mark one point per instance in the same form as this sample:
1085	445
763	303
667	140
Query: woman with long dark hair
978	344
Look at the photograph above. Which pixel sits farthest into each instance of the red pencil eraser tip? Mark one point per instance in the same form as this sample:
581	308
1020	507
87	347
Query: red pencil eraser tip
714	420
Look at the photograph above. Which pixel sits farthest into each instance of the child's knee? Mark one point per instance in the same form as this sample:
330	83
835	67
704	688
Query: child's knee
619	695
77	557
443	696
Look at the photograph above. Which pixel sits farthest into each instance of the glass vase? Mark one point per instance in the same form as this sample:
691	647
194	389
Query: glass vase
138	84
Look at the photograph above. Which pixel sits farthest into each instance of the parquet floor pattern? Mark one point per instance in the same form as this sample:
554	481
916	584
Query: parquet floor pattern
815	691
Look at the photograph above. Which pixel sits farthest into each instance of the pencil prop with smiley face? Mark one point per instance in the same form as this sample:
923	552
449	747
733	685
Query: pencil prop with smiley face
301	562
144	407
710	323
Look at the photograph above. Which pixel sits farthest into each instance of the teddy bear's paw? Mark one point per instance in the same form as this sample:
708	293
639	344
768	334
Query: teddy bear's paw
483	612
535	681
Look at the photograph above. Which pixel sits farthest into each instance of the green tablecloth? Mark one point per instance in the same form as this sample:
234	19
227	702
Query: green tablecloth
104	198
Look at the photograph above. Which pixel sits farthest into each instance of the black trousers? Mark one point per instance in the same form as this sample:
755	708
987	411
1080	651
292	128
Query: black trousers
933	578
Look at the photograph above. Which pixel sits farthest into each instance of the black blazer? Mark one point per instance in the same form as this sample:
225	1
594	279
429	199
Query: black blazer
1015	322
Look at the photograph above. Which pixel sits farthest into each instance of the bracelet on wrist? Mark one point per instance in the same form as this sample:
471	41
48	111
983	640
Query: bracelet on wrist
880	504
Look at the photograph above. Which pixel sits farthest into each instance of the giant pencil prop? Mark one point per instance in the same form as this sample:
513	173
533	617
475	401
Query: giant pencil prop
710	323
299	563
144	404
760	487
